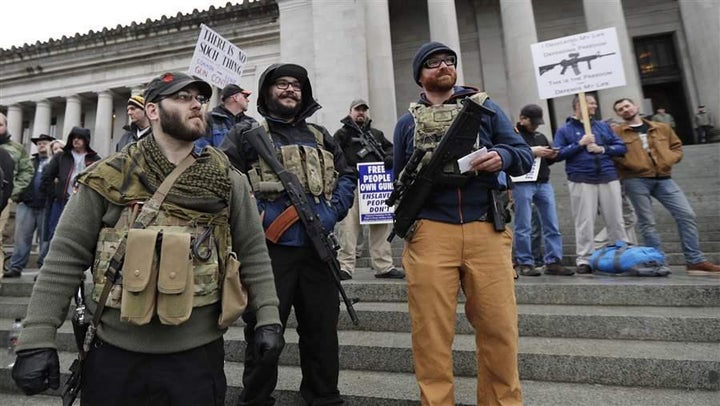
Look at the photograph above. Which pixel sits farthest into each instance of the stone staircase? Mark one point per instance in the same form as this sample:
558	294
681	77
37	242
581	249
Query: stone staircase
584	340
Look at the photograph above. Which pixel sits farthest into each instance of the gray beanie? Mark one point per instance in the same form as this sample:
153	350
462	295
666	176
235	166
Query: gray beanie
424	53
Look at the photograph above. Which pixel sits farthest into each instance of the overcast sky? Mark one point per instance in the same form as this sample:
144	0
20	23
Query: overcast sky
28	21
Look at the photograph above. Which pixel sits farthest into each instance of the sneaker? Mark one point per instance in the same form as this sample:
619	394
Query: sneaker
345	275
12	273
527	270
394	273
584	269
701	268
556	268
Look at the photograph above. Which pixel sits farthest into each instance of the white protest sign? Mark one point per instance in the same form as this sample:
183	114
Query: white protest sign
216	60
374	186
530	176
578	63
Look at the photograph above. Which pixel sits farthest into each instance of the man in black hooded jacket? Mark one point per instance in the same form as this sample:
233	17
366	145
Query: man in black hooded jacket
302	280
58	180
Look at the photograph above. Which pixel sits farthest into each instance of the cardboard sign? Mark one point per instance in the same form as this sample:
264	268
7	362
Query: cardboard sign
578	63
374	186
216	60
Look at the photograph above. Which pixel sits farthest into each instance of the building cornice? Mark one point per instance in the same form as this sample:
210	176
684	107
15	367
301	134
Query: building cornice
244	11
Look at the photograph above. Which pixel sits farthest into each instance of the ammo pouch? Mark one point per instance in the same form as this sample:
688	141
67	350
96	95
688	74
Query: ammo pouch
234	297
148	282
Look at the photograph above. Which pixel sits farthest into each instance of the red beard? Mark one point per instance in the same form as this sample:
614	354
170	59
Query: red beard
440	81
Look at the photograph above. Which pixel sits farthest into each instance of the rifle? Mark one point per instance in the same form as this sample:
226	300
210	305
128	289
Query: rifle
325	244
574	59
80	323
414	186
370	145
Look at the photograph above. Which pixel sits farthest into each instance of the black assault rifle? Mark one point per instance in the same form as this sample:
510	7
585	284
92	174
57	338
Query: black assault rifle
325	244
573	59
414	186
370	146
80	324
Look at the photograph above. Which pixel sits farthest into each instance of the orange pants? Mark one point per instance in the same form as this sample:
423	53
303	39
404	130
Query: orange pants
438	260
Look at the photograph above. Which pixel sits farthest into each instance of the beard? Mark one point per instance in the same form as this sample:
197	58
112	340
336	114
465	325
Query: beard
442	81
275	107
173	125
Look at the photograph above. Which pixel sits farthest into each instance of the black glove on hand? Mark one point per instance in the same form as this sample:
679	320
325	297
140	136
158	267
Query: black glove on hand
269	342
36	370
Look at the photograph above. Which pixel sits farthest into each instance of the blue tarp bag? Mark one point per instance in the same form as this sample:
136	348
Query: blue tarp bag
623	258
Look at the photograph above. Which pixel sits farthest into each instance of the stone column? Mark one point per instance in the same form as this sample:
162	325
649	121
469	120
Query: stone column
702	25
73	112
328	39
444	28
41	124
381	77
519	33
14	122
100	139
605	14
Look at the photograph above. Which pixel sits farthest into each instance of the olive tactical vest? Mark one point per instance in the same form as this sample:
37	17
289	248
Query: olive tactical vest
181	265
432	122
209	240
313	166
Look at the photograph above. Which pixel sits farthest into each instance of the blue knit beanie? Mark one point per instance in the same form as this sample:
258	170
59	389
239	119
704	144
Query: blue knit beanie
424	52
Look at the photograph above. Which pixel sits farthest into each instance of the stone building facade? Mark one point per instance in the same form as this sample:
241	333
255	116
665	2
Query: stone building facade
364	48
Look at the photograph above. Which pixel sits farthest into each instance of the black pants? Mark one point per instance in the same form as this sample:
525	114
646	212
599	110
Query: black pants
116	377
305	283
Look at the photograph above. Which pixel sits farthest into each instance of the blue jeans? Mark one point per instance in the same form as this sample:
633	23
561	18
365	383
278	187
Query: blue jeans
543	196
640	191
27	220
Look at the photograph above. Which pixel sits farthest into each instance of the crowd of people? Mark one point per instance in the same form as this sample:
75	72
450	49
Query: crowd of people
190	193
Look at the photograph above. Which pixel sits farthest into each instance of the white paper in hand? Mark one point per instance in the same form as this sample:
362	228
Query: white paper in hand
464	162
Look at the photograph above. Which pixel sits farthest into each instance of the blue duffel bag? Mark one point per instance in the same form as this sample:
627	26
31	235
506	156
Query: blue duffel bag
623	258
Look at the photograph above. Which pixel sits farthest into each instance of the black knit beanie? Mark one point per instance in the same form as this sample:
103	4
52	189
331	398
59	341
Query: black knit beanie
424	53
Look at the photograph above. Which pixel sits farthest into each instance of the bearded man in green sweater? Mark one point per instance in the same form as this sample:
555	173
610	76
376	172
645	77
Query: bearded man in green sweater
159	340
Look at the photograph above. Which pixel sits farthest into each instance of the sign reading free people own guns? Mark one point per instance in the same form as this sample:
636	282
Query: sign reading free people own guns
374	186
578	63
216	60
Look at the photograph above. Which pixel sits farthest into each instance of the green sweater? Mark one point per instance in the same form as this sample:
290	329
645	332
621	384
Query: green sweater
72	252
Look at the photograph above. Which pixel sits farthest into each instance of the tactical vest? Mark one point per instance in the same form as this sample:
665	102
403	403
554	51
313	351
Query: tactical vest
313	166
181	267
205	248
432	122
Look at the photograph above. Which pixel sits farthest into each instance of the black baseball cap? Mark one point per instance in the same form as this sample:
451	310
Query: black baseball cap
231	90
534	113
171	83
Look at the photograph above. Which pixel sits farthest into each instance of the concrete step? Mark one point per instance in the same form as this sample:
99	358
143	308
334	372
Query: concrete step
678	289
370	388
659	364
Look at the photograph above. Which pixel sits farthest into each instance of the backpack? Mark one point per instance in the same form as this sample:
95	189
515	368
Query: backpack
624	259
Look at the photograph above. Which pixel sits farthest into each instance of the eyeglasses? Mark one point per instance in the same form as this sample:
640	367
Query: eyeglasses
185	97
284	84
433	63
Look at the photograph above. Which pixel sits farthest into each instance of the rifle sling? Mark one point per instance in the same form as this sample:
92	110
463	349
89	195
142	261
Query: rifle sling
146	216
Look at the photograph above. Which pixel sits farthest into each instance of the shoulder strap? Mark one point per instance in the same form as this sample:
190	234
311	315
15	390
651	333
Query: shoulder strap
147	214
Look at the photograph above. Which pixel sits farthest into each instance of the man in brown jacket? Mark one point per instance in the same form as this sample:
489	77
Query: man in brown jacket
652	150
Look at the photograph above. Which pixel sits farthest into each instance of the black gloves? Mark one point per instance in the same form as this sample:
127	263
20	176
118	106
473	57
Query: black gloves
36	370
269	342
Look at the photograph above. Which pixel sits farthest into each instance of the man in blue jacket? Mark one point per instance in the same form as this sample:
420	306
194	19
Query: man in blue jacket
303	281
592	179
455	244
